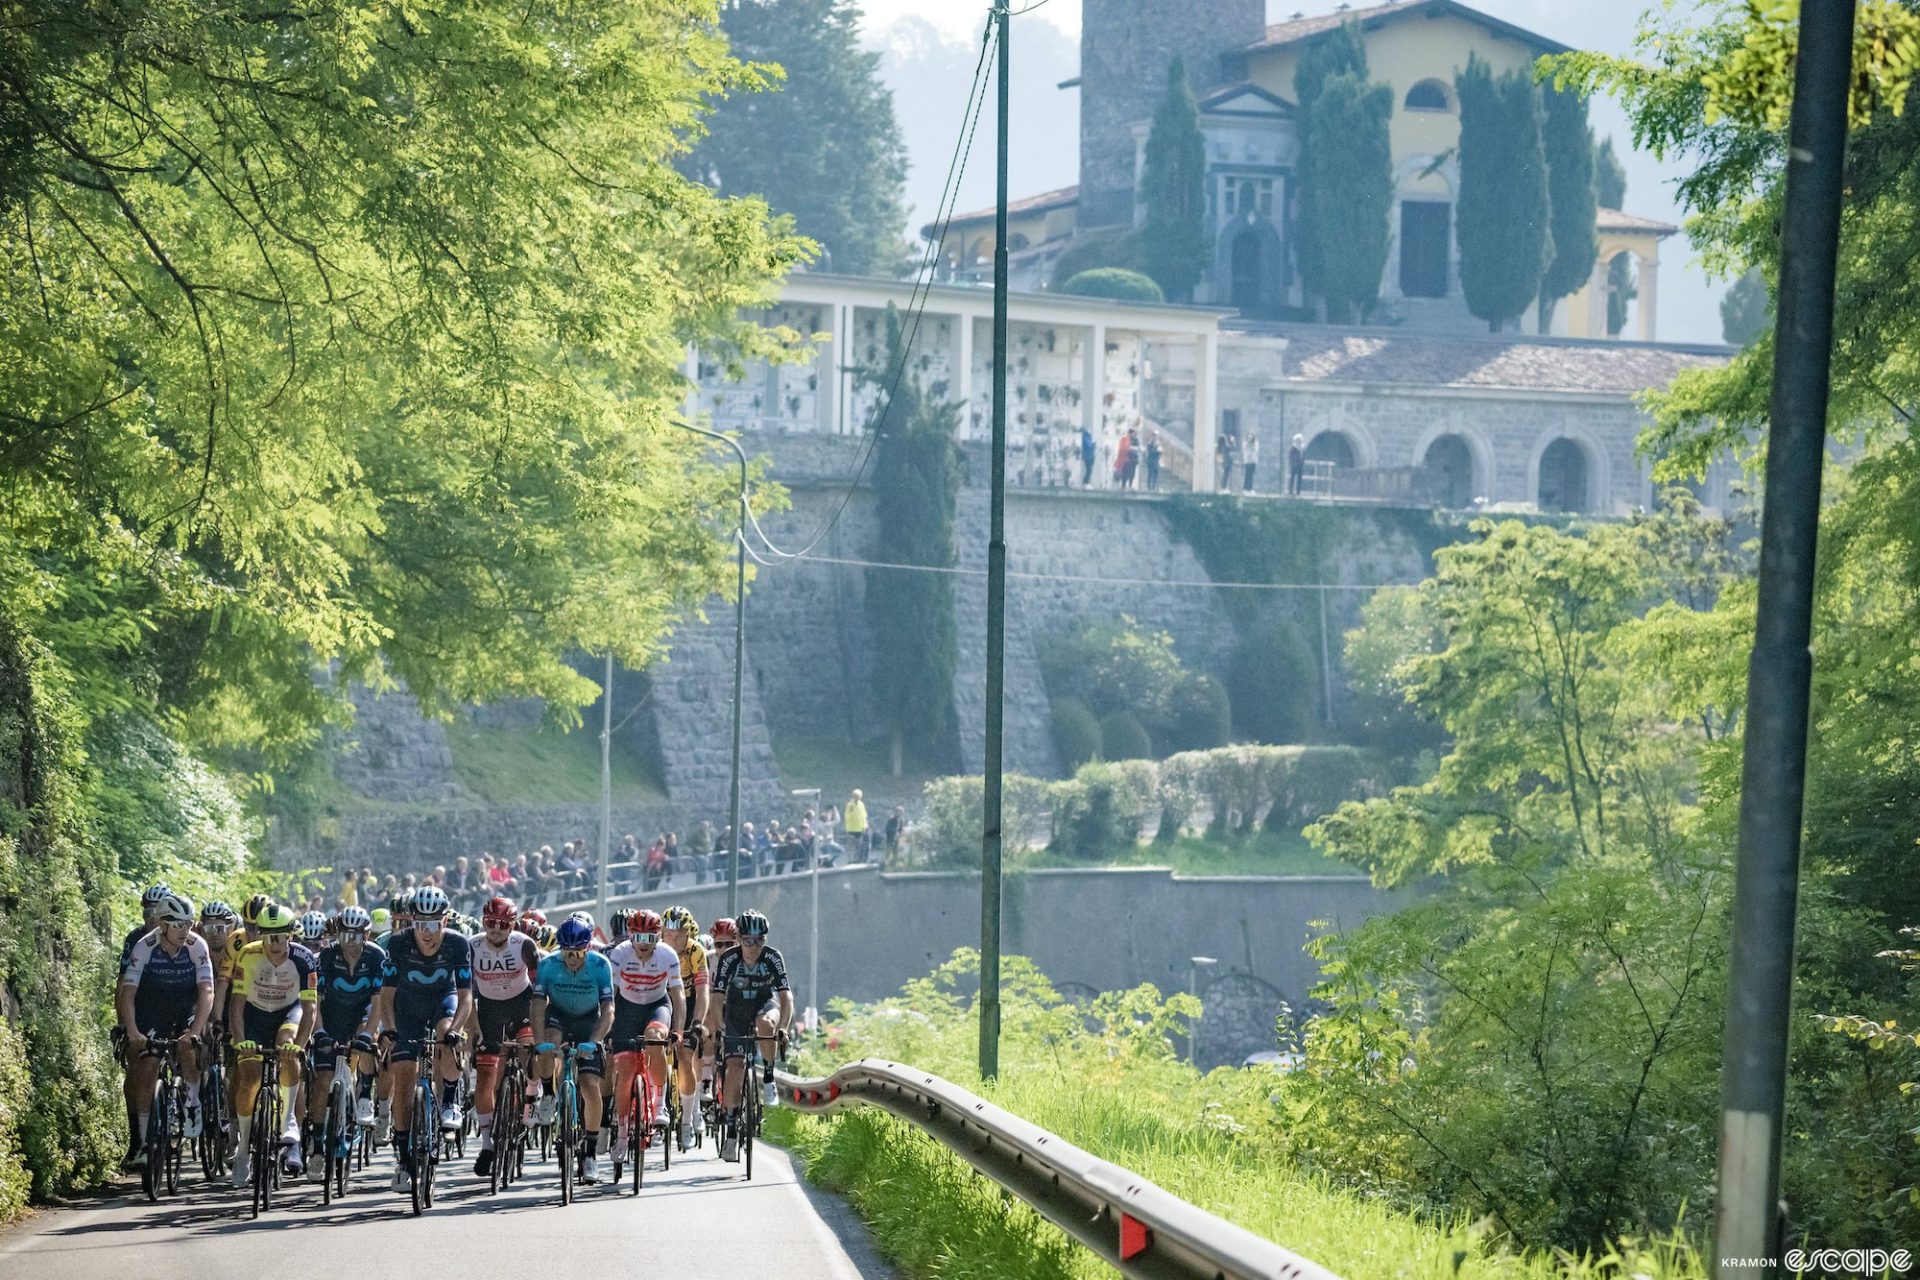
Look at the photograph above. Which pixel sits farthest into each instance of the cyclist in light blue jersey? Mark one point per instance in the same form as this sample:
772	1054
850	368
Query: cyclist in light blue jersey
573	1004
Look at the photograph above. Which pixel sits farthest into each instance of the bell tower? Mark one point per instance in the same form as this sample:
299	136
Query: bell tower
1125	46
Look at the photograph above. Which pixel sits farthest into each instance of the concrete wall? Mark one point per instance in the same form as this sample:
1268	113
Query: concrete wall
1104	929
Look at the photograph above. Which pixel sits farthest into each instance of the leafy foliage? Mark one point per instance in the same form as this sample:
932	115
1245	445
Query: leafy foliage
916	482
1504	230
1747	310
1123	737
1076	732
1347	195
1322	167
1173	179
1116	667
1117	248
1274	681
1568	144
1114	282
818	138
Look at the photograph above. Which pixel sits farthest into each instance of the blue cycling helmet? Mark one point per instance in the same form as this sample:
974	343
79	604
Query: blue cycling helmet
574	935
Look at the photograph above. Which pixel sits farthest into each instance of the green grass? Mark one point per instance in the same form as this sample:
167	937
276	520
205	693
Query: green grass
838	767
500	766
1267	854
938	1221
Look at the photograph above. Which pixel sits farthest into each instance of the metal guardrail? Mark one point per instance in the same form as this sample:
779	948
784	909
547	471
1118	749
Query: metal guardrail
1133	1224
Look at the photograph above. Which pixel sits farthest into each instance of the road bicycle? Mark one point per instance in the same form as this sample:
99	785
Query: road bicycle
509	1126
428	1144
166	1108
268	1117
567	1120
643	1117
216	1125
340	1132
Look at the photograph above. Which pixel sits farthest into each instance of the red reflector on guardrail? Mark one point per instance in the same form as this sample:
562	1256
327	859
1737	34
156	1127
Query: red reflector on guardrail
1134	1237
833	1090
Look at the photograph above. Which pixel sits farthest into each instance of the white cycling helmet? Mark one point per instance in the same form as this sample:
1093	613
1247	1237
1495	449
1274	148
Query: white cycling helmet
173	909
313	926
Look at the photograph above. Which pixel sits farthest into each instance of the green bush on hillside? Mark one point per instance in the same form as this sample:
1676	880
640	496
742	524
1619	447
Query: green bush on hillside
1114	283
1093	250
1200	718
1100	809
1274	680
1076	733
1123	737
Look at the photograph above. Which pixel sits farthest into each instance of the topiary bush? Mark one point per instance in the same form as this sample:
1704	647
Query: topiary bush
1077	738
1108	247
1098	812
1200	717
949	833
1123	737
1115	283
1274	680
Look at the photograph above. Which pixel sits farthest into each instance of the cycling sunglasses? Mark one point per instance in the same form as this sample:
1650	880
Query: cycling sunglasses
645	939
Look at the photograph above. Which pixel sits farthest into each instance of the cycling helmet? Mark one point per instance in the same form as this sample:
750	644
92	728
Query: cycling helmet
531	921
499	913
156	894
751	924
546	937
382	920
173	909
401	904
706	941
218	910
355	920
573	935
584	917
428	900
681	918
255	905
274	918
313	926
644	921
724	930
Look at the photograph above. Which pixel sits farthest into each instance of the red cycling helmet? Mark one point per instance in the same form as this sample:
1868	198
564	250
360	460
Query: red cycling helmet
644	921
724	930
532	921
499	913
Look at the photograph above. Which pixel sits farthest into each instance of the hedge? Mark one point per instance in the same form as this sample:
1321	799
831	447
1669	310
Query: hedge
1104	806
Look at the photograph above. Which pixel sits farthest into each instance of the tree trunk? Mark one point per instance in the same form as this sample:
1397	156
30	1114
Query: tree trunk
897	752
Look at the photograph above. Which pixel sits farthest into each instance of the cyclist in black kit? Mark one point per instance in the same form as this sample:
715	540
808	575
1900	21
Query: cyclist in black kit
751	1000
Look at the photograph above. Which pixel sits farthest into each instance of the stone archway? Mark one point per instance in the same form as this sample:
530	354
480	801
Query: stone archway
1247	267
1239	1016
1333	446
1565	477
1448	473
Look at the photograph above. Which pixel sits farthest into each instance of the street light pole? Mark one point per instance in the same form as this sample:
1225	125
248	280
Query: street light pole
739	661
1748	1225
813	947
606	793
990	835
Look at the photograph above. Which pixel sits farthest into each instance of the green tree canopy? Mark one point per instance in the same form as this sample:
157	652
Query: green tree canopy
356	334
821	143
1747	309
916	482
1114	282
1503	212
1609	177
1173	178
1348	185
1568	143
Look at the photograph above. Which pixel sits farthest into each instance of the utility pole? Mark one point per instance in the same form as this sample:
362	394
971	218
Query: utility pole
1749	1226
739	661
990	836
606	792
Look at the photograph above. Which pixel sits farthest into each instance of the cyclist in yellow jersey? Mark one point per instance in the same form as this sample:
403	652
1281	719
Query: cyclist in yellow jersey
680	931
275	989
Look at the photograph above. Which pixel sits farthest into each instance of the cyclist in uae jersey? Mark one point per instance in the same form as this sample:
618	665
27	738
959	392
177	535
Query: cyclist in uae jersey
426	991
275	986
651	1010
166	991
503	963
573	1004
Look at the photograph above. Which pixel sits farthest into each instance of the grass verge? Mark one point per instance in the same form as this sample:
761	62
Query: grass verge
937	1220
502	766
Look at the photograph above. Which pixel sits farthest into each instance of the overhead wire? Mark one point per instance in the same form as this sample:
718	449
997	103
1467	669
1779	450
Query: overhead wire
916	306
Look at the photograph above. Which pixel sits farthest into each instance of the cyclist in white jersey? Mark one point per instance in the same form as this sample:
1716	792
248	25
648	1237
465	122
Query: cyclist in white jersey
503	962
649	1005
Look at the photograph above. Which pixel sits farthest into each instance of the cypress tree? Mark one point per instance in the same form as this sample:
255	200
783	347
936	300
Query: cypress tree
1610	192
1347	194
1504	236
916	477
1341	53
1568	144
1174	182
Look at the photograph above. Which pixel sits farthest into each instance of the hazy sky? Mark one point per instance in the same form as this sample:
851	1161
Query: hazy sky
927	67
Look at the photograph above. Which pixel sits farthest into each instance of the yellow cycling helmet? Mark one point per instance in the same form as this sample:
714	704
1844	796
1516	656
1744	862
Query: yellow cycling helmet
255	905
382	920
274	918
681	918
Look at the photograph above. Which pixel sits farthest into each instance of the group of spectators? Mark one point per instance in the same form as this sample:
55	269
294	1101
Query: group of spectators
544	878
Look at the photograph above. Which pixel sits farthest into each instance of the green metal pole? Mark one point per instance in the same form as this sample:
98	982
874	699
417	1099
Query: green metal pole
1749	1214
996	606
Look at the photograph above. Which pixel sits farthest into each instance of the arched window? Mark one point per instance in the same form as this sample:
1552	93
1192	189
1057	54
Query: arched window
1449	472
1563	477
1429	95
1248	267
1331	446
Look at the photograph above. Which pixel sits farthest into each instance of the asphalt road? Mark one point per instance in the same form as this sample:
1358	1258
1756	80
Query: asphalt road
700	1218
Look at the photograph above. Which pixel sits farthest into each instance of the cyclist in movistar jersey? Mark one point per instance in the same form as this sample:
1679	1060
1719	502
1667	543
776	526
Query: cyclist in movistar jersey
426	990
351	971
573	1004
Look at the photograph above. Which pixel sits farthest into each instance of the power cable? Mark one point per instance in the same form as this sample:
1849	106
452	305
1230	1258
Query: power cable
916	304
